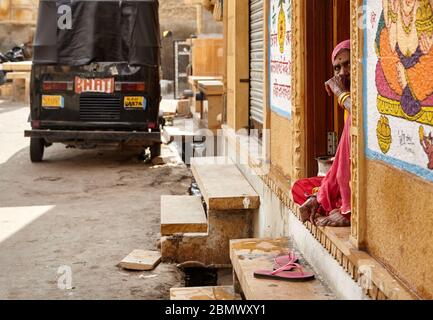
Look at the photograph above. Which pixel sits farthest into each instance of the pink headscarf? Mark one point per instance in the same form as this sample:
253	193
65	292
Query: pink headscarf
345	45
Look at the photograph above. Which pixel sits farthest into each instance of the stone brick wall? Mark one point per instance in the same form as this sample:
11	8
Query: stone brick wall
17	20
181	19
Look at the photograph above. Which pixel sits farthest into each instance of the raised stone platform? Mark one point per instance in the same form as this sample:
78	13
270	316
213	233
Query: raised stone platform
182	214
222	184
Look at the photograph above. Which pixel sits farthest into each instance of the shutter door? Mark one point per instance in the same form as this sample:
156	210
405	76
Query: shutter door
256	60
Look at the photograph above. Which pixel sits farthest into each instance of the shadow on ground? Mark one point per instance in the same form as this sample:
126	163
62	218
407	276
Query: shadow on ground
83	210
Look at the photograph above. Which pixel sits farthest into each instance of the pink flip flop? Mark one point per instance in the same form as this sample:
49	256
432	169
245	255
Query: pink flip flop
285	260
285	273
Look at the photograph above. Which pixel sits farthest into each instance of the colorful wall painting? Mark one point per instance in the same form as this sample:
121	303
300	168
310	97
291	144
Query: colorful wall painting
280	37
398	83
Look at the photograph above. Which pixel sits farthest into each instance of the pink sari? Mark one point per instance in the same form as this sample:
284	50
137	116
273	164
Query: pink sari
334	189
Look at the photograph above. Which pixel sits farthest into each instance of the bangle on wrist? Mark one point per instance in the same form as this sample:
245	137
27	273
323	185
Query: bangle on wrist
343	101
343	97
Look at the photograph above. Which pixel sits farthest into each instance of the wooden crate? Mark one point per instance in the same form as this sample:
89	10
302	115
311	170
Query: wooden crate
6	91
208	57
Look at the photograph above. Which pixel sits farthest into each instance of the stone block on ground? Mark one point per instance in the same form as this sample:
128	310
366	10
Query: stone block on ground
141	260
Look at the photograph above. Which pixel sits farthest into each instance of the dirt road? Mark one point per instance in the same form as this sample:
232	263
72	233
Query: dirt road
80	211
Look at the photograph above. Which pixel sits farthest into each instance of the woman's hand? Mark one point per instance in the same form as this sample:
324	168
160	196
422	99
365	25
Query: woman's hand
335	86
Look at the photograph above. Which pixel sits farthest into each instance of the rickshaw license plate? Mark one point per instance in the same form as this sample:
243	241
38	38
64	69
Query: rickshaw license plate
94	85
52	101
134	102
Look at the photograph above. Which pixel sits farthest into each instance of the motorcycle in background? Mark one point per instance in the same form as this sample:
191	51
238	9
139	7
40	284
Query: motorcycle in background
16	54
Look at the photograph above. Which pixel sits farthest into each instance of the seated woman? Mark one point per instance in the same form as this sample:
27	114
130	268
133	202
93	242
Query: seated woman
331	196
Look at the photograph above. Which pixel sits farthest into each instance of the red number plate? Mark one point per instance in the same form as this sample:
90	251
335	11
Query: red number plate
94	85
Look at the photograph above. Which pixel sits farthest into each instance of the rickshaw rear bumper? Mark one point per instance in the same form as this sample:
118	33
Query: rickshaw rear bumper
93	135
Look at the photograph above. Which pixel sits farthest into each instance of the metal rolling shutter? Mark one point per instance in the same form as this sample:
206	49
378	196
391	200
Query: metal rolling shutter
256	60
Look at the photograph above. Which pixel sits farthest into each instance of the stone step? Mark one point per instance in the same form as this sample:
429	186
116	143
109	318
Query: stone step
250	255
222	184
204	293
211	248
182	214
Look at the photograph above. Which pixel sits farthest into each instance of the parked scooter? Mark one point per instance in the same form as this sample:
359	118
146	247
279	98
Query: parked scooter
13	55
16	54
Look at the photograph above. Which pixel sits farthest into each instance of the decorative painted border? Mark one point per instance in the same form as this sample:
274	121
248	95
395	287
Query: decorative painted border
298	89
358	185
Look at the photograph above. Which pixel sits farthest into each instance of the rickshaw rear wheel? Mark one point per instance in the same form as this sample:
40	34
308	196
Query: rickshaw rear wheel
37	146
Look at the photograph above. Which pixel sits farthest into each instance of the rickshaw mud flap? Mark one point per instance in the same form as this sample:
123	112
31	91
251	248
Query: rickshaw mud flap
76	135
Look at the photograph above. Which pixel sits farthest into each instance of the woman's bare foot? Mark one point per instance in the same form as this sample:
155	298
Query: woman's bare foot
308	209
335	219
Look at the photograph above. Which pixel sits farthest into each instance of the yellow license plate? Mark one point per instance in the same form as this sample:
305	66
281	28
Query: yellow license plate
52	101
134	102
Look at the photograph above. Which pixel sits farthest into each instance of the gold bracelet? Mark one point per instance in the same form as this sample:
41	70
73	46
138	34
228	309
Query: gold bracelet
343	101
342	97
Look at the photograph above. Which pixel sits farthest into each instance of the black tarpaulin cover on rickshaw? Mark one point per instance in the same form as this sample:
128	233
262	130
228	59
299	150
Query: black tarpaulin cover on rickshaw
78	32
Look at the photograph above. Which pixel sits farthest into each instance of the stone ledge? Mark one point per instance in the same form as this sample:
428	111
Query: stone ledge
223	186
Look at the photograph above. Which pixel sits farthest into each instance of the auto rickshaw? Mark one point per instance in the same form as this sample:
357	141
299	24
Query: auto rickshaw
95	75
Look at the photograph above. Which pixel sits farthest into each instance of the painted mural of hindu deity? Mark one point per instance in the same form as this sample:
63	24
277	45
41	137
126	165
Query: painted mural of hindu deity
404	74
280	62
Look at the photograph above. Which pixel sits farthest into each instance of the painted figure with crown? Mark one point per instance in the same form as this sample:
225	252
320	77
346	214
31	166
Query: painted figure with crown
404	73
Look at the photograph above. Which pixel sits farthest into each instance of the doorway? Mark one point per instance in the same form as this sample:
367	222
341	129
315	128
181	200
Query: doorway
327	24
